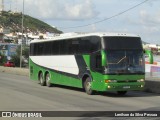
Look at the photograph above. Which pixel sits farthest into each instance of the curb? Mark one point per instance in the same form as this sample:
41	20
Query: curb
152	86
14	70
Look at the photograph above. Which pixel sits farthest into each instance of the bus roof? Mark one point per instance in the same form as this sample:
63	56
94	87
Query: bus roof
77	34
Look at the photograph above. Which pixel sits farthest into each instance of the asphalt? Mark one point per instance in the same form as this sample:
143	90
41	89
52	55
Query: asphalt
19	93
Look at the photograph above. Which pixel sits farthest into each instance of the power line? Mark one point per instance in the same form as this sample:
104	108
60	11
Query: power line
120	13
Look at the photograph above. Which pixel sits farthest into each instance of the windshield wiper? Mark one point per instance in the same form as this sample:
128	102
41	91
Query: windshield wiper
119	60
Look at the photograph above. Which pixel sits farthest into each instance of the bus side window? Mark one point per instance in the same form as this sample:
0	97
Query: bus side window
73	47
55	48
96	64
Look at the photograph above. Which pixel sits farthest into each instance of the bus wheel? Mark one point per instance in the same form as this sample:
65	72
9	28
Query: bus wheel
121	92
87	86
48	80
42	81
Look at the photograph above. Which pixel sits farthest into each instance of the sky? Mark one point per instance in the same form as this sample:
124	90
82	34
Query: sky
74	15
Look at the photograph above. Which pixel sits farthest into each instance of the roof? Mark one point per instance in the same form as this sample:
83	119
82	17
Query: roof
76	35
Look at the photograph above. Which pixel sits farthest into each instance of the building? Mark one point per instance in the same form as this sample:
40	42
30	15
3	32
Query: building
8	49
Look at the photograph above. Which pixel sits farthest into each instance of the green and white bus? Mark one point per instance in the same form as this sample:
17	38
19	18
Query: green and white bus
92	61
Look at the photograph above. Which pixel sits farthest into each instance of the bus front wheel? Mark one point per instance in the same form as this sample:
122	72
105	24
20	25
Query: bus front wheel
87	86
48	80
42	81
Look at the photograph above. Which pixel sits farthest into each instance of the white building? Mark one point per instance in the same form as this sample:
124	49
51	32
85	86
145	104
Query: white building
152	45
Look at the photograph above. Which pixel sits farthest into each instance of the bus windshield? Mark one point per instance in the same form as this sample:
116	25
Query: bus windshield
124	61
124	55
122	43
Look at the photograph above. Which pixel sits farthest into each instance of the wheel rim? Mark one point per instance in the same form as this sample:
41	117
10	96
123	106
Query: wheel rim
47	79
88	86
41	79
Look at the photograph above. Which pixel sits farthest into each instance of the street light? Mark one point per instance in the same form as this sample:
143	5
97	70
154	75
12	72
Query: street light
22	35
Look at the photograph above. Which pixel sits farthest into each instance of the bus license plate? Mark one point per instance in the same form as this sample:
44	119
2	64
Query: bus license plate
126	87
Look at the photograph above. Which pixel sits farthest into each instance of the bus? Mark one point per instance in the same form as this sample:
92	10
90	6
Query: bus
92	61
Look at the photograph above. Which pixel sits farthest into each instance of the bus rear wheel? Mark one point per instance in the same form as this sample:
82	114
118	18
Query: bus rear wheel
121	92
87	86
42	81
48	80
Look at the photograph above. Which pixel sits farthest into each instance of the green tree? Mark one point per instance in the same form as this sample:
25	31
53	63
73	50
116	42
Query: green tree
25	55
26	52
3	59
16	60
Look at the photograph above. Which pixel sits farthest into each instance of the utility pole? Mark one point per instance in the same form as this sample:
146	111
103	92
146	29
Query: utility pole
22	35
1	5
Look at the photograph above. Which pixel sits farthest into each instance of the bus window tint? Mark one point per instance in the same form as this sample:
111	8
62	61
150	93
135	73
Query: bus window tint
73	46
84	45
47	48
31	49
90	44
95	43
55	47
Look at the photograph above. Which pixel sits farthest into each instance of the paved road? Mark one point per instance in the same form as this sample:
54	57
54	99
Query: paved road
18	93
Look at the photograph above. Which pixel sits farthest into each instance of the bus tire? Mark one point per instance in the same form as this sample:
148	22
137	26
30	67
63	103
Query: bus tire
121	92
87	86
48	80
42	81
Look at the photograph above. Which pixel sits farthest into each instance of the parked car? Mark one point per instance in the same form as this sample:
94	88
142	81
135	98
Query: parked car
9	64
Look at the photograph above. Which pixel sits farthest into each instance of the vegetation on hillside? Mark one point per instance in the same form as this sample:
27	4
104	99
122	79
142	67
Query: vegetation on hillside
13	21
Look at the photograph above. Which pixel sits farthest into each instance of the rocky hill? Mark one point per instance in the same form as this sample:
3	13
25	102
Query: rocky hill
13	21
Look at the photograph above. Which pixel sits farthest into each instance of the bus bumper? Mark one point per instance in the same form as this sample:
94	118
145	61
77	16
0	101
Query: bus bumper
124	86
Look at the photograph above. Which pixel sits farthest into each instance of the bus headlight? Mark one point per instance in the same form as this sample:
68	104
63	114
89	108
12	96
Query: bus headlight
141	80
110	81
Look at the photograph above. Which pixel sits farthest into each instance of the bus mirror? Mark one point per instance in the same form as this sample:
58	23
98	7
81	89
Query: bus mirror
150	55
104	61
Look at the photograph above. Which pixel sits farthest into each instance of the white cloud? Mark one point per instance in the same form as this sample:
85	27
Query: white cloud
93	28
143	13
83	10
151	29
59	9
147	18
